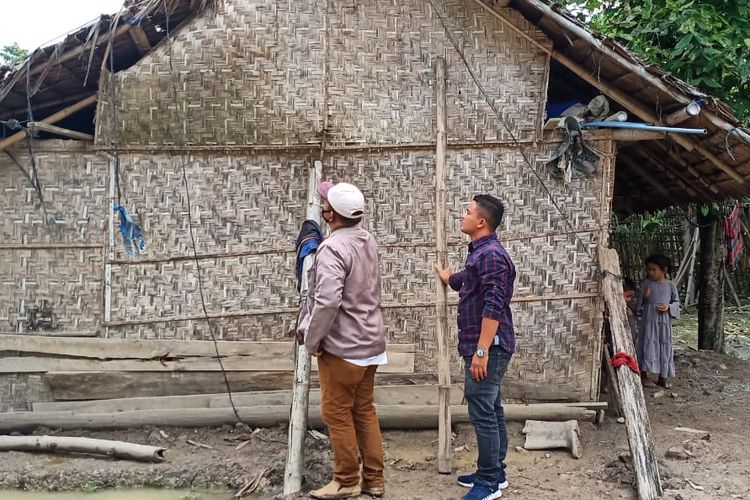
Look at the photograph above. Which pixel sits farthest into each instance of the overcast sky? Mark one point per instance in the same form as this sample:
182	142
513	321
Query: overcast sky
32	23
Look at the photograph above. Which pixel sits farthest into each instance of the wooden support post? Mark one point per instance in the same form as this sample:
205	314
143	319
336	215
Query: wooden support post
441	302
54	118
633	403
711	296
728	280
295	458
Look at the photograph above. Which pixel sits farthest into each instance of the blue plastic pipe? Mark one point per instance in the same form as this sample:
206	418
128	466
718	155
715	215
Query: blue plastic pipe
643	126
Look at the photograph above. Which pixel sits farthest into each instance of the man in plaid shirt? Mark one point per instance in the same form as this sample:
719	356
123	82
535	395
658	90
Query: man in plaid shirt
486	340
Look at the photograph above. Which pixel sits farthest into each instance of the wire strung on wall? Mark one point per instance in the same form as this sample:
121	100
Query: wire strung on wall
30	142
517	144
181	142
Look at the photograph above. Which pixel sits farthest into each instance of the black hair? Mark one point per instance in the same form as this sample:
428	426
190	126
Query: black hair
492	209
628	285
661	261
346	221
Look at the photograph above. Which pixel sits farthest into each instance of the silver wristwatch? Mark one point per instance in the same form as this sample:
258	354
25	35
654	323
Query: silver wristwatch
481	353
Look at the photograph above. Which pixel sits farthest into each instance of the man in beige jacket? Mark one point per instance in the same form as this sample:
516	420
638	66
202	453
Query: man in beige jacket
342	325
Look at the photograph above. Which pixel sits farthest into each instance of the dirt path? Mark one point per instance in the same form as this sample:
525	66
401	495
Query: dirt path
712	393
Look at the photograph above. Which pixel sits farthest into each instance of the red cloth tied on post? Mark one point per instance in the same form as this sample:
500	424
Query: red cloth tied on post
623	358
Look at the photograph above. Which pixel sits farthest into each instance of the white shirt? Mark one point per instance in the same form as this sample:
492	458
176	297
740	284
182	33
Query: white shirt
380	359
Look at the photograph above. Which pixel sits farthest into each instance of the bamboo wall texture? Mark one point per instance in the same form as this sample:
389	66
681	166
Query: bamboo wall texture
262	72
257	82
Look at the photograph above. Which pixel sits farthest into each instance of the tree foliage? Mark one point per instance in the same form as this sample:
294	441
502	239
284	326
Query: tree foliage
11	54
704	42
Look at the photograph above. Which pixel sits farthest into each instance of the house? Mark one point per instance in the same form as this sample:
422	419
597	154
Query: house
224	106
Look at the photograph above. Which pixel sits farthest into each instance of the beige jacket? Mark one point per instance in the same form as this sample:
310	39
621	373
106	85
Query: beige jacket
342	312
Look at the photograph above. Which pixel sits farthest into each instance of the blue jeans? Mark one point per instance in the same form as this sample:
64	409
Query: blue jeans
486	412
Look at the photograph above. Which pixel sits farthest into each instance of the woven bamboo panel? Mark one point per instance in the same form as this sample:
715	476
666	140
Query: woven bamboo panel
264	72
75	184
235	284
271	327
18	391
67	282
399	189
250	73
381	81
241	202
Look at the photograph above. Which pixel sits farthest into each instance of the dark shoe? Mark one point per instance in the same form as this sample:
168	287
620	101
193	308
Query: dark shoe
482	492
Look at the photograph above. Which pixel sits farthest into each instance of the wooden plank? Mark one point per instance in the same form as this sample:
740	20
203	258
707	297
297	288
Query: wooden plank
295	461
99	348
634	408
422	394
441	293
52	129
390	416
398	362
78	386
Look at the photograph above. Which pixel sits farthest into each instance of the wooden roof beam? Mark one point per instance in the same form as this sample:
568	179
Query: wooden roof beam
687	184
644	113
60	115
644	174
692	170
139	38
47	104
655	81
52	129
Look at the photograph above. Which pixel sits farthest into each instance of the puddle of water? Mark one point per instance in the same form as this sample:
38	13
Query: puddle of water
134	494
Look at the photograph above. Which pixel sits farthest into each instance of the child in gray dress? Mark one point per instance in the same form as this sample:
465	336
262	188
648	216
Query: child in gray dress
658	303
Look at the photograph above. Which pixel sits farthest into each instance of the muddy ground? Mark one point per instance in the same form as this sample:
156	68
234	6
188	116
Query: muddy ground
711	393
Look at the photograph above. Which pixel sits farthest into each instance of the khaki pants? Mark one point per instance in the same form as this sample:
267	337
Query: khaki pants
348	408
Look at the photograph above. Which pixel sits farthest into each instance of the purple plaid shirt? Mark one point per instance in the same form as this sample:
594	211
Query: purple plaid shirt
485	288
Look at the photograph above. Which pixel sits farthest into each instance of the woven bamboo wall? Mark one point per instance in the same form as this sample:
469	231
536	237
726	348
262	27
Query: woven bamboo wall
264	72
250	208
58	263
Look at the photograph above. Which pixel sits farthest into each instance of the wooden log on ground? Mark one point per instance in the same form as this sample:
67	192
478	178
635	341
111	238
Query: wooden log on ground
390	416
80	386
634	408
63	444
424	394
295	460
441	303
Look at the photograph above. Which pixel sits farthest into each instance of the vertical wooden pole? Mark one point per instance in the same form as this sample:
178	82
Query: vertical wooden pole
110	248
711	297
295	460
634	409
441	302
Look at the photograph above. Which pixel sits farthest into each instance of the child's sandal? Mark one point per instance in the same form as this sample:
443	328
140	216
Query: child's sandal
665	383
649	384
